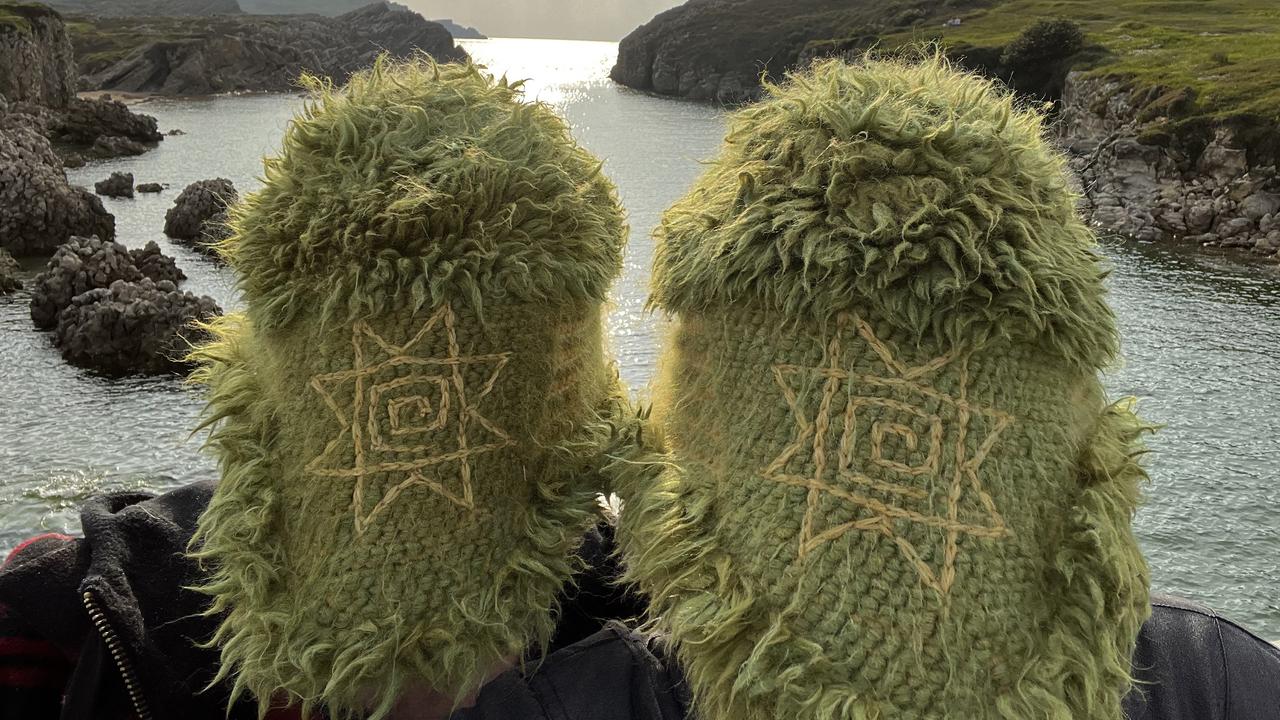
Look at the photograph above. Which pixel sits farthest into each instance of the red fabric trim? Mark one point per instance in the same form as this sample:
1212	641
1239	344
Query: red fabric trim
32	677
23	545
29	647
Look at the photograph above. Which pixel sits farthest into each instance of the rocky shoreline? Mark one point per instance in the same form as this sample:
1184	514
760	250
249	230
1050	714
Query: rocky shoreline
1154	163
1220	193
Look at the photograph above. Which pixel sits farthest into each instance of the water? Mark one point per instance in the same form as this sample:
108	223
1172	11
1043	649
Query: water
1201	338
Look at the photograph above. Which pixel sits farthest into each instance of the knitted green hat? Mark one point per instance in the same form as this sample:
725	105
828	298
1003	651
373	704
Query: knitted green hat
408	412
891	487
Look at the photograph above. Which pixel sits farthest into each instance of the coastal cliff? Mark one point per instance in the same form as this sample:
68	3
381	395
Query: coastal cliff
37	91
37	63
202	56
1171	113
1153	169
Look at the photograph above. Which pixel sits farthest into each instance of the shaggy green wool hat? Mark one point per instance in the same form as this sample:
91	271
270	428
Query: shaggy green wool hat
883	480
409	412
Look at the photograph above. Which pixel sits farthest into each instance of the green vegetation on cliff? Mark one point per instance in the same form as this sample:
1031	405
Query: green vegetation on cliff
18	16
1199	61
1226	52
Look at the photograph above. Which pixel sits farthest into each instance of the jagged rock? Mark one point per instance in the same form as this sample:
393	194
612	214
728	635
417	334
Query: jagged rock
205	56
39	210
73	160
199	213
9	273
80	265
117	186
111	146
1222	161
85	120
142	327
83	264
156	265
150	187
176	131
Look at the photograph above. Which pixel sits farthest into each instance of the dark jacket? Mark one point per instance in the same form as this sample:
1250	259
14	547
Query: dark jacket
104	627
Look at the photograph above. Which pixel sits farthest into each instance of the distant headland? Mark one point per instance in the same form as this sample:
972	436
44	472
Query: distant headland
1171	111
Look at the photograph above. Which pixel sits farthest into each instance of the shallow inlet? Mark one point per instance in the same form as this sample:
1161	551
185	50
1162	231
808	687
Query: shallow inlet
1201	337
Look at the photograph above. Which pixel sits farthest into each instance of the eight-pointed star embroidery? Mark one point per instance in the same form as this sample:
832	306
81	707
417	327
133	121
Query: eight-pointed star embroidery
411	416
884	456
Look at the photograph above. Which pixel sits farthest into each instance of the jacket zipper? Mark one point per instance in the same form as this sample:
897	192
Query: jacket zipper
117	654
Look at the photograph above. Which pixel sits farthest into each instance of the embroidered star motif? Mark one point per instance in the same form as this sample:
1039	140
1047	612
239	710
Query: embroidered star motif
887	451
405	414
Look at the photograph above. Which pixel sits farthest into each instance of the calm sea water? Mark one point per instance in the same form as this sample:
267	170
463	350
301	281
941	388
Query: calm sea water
1202	338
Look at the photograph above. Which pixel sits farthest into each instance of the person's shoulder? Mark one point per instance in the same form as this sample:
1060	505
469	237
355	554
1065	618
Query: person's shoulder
615	674
1191	662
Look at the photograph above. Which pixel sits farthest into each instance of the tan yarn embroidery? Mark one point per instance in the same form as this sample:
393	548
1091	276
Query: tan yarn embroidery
432	398
894	477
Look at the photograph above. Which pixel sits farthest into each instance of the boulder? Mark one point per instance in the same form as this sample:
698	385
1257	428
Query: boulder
83	121
9	270
1259	205
112	146
117	186
150	188
156	265
39	210
80	265
84	264
198	214
141	327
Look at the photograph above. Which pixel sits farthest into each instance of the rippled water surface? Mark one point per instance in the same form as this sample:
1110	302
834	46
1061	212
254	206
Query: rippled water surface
1201	338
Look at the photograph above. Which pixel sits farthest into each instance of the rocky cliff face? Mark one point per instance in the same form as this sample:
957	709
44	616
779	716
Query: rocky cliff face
267	54
677	53
1213	187
37	63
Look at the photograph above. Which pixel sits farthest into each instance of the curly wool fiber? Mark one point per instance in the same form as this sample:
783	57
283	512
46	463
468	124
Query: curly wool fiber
428	181
913	189
408	415
881	479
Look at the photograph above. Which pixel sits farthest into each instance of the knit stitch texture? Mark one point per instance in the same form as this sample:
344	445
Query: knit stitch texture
409	413
881	478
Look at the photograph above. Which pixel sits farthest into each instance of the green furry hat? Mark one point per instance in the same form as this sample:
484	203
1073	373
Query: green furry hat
409	411
883	479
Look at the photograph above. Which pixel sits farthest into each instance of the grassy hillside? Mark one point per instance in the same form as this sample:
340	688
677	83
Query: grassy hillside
1194	64
1227	52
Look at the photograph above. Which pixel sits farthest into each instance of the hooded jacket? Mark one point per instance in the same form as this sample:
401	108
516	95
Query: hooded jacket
86	619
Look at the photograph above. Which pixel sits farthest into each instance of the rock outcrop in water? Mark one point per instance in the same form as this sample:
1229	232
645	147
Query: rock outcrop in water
199	214
203	56
84	264
117	310
39	210
140	327
9	273
37	84
117	186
